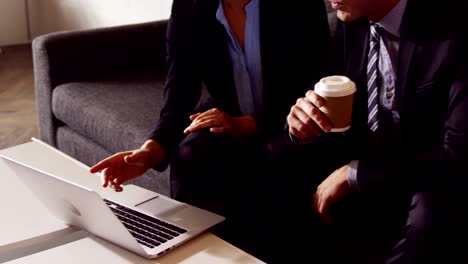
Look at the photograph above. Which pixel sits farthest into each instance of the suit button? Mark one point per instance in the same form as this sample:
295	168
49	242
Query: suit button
389	95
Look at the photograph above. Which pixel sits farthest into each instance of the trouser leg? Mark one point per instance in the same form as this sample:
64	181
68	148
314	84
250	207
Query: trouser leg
297	235
435	231
201	169
218	173
423	227
366	227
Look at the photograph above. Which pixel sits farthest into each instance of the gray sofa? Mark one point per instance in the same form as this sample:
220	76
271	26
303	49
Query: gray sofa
100	91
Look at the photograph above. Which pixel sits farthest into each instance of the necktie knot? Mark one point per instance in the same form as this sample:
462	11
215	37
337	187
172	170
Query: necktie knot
375	32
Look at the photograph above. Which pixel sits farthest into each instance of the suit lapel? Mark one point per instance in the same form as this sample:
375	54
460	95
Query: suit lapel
405	69
405	59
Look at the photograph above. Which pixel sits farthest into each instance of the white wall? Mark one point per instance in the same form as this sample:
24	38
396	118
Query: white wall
56	15
13	28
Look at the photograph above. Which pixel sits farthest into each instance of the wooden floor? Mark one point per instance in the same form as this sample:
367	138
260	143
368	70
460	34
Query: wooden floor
18	122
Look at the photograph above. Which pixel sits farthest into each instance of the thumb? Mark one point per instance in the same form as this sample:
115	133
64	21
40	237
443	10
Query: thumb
137	158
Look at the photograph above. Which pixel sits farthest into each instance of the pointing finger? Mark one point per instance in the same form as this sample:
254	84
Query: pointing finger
100	166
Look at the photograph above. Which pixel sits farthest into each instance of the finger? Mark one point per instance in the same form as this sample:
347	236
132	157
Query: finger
295	124
313	113
323	206
117	188
201	125
116	182
298	134
306	120
206	118
315	202
106	177
100	166
117	185
212	111
319	200
315	98
194	116
108	162
298	128
197	121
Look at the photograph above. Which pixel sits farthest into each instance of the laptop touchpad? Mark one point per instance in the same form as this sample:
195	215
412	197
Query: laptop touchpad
159	206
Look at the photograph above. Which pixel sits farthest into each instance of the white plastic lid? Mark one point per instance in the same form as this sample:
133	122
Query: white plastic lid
335	86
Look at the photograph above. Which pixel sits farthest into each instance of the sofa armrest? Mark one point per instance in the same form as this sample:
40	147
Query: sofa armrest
89	54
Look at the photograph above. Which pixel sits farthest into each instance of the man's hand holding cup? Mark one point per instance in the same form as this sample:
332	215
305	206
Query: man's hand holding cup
327	108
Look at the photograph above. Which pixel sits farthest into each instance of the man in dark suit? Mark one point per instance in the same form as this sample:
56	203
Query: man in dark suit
254	57
394	180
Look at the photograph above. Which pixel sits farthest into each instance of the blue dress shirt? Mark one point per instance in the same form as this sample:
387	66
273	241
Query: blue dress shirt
247	62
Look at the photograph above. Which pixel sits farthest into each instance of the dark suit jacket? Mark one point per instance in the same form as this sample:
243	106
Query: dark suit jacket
431	96
294	43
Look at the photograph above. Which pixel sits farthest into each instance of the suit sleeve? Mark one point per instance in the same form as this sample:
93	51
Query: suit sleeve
183	83
439	167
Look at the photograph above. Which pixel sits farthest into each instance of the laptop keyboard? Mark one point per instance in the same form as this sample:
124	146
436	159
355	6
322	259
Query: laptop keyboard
147	230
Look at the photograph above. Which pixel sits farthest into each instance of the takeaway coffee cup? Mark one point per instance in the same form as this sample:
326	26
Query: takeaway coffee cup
337	92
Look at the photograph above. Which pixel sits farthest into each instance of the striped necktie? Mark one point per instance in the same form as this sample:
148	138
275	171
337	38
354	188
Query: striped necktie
373	78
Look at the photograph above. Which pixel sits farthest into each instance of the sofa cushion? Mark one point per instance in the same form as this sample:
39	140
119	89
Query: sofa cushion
118	112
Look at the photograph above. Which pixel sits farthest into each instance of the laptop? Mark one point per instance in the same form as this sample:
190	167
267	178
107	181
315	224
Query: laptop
147	232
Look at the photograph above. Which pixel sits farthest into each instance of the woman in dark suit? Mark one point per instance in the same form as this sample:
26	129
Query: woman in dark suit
254	58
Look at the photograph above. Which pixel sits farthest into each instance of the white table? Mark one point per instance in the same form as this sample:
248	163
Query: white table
30	235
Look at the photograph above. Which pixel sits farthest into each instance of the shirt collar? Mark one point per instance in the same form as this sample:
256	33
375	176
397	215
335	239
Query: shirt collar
251	5
392	21
220	13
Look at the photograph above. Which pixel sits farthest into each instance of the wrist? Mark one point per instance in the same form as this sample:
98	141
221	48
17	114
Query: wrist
155	152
